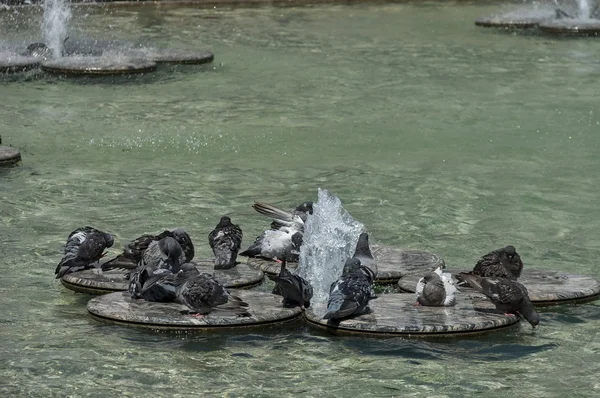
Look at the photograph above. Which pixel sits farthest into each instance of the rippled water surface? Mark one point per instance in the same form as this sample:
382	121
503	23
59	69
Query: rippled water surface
436	134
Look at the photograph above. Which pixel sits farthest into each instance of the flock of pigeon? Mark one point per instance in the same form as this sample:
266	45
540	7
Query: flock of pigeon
161	269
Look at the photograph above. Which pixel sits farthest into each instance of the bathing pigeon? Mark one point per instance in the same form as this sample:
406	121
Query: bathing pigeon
281	244
350	294
303	211
38	50
203	295
282	218
84	246
163	254
134	250
508	295
295	290
436	289
225	241
162	285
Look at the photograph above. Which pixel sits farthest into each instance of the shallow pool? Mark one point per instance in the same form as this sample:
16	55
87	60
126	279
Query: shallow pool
436	134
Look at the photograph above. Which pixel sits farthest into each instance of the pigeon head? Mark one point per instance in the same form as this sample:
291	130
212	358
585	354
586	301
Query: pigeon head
297	239
306	207
511	260
530	314
225	221
185	242
172	250
108	238
351	265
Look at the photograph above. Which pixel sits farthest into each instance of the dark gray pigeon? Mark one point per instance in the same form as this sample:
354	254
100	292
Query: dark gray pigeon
204	295
134	250
500	263
350	294
84	247
508	295
295	290
163	254
162	285
225	241
363	252
436	289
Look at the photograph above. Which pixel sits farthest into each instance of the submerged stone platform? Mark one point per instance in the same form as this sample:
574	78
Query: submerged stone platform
17	63
545	287
509	22
174	56
392	263
571	27
96	281
396	315
98	66
9	156
120	308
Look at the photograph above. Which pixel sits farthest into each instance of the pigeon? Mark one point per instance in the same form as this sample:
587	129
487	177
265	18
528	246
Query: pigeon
295	290
163	254
436	289
225	241
363	252
508	295
500	263
84	246
203	295
303	211
350	294
280	244
162	285
134	250
280	217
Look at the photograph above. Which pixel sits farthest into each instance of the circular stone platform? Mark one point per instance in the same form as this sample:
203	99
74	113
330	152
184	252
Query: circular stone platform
545	287
98	66
174	56
571	27
18	63
509	22
9	156
396	315
119	307
392	264
95	281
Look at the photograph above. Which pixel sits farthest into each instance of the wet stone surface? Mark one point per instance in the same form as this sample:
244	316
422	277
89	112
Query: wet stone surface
119	307
572	27
9	156
392	263
14	63
98	66
96	281
396	314
545	287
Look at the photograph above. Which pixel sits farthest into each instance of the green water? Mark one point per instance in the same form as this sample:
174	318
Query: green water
436	134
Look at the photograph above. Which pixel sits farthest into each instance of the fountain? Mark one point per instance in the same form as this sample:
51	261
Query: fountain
62	54
330	237
578	18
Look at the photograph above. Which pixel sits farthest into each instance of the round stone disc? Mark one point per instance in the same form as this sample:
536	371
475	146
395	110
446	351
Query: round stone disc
571	27
392	264
17	63
396	315
119	307
103	66
9	156
509	22
174	56
545	287
96	281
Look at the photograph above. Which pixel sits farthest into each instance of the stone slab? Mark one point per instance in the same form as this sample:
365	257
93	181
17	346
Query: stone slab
98	66
396	315
9	156
96	281
571	27
119	307
14	63
545	287
392	263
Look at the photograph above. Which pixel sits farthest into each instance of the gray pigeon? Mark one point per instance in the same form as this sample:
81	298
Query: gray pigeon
282	244
84	247
163	254
282	218
363	252
134	250
508	295
295	290
203	295
225	241
350	294
436	289
162	285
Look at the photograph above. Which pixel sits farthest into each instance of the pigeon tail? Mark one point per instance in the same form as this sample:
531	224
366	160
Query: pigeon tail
281	217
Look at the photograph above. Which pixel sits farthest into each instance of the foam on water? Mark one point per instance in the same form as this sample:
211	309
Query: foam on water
330	237
57	14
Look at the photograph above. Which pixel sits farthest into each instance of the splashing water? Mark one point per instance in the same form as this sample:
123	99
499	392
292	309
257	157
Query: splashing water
584	9
330	236
57	14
